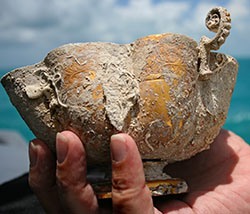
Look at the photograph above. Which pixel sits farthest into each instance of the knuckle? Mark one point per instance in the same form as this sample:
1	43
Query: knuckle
120	183
131	200
64	183
34	183
126	195
40	184
123	196
67	184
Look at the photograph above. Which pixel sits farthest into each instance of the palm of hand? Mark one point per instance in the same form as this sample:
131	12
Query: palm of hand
218	179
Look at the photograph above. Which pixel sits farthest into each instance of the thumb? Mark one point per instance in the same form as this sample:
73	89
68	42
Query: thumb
129	191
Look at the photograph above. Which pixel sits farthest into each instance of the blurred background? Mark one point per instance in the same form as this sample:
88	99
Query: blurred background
31	28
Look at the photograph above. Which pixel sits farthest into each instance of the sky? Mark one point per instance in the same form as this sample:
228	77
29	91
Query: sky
29	29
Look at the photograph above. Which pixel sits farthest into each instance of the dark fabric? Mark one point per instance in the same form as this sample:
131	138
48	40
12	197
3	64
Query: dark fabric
17	197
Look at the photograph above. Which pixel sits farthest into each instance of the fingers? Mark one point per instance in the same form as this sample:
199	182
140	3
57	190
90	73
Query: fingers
61	186
75	193
129	192
42	177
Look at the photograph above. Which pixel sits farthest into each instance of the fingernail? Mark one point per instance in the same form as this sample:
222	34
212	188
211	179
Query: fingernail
32	154
118	147
61	147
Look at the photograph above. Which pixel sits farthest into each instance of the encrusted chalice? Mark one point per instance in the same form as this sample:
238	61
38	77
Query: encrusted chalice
169	93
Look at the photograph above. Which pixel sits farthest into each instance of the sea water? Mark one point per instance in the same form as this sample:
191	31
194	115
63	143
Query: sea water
238	119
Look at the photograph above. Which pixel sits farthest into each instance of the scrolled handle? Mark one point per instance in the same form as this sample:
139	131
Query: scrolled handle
218	20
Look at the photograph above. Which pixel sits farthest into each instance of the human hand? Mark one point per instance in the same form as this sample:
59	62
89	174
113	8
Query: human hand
61	185
218	178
